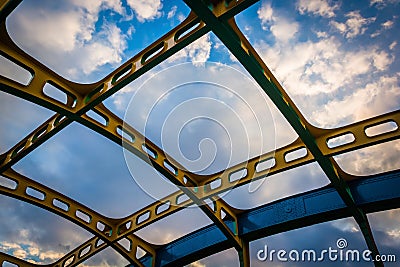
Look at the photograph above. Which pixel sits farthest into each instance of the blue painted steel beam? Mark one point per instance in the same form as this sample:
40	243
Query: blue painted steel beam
373	193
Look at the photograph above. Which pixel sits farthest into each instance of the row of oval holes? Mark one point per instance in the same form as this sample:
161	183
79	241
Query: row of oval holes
270	162
120	75
82	253
11	184
37	194
370	131
337	141
127	244
69	261
24	76
61	96
149	151
334	142
299	153
36	136
32	192
234	176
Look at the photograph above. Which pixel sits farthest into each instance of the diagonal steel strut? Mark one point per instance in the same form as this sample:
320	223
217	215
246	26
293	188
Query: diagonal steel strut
234	40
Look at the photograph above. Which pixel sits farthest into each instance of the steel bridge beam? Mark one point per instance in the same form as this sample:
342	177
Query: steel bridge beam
120	225
239	46
97	224
7	6
82	100
89	97
372	194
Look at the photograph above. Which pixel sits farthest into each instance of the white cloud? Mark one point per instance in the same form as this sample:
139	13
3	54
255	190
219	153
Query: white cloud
346	225
34	251
354	25
265	12
375	97
387	222
329	75
371	160
388	24
373	2
197	52
317	7
321	34
93	7
395	233
131	30
282	28
382	3
25	249
68	33
172	12
108	49
197	264
381	60
20	253
40	30
341	27
392	45
8	246
311	68
33	261
50	255
385	26
146	9
24	233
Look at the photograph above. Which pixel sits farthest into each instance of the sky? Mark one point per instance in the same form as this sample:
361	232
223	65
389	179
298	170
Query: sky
338	61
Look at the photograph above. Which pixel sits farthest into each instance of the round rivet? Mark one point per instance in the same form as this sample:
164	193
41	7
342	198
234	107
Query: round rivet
288	209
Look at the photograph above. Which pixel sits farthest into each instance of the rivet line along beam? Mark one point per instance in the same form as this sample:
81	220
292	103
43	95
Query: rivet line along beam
172	201
251	166
235	41
373	193
308	134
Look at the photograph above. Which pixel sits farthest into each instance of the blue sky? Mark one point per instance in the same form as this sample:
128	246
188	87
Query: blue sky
338	60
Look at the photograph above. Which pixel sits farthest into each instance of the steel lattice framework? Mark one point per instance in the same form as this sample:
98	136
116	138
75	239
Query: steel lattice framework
347	195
